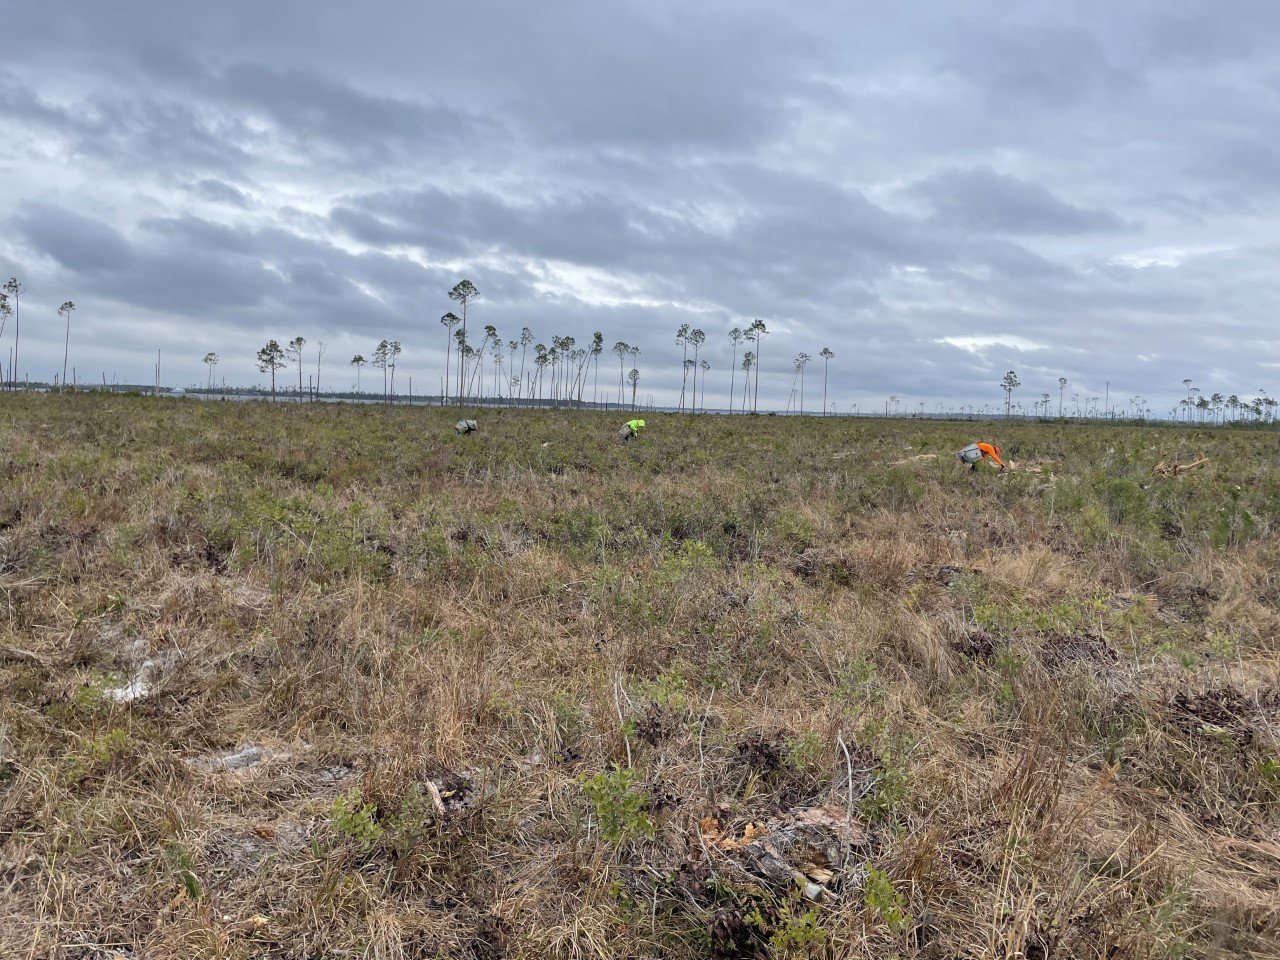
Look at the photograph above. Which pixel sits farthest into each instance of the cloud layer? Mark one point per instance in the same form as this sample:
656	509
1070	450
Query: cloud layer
938	197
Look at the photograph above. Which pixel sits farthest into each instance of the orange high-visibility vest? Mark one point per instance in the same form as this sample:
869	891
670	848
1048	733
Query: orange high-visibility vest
993	452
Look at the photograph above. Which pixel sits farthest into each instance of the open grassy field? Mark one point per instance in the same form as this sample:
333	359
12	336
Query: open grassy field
317	681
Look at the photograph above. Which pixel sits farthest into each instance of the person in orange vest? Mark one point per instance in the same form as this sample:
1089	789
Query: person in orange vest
975	453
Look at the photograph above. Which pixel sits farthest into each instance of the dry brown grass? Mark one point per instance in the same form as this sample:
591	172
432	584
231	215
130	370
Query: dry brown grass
399	693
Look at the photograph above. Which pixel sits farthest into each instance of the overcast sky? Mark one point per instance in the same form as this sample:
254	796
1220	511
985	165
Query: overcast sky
938	192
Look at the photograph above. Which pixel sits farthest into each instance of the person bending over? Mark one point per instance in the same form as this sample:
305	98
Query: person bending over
630	430
975	453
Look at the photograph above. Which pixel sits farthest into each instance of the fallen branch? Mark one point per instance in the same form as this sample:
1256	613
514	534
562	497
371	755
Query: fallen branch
23	656
1163	469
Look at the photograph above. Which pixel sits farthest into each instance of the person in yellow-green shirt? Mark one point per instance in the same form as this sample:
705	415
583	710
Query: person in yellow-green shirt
630	430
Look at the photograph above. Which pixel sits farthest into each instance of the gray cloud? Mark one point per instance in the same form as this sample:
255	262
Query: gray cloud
1026	64
80	244
938	196
981	199
216	191
309	110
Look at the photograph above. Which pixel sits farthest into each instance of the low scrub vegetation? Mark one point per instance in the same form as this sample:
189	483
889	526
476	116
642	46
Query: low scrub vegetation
307	681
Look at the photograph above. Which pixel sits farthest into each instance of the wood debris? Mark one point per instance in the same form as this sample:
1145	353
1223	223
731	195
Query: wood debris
809	847
1163	469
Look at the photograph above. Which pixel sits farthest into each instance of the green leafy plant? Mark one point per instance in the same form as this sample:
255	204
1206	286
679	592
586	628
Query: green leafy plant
408	826
884	902
1170	920
887	790
356	820
180	861
1268	771
798	934
805	751
621	810
111	745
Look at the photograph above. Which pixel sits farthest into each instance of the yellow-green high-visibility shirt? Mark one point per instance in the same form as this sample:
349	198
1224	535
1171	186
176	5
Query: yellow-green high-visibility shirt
635	425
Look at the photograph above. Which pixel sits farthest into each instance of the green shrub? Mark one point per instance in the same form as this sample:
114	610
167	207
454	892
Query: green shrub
792	530
621	811
407	827
356	820
796	934
110	745
888	789
884	902
805	751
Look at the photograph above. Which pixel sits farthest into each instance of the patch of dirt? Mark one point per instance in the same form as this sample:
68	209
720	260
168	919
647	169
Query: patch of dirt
999	534
764	753
1061	650
10	518
1226	711
456	791
489	942
329	779
462	537
974	848
11	560
732	599
693	877
732	934
206	557
841	567
240	852
249	597
947	576
200	557
811	563
75	535
664	797
1185	602
654	725
976	644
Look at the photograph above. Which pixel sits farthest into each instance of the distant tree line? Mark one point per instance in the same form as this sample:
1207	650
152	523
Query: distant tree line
523	370
1195	407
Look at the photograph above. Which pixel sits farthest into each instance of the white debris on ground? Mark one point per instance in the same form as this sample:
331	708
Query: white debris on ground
245	757
145	678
